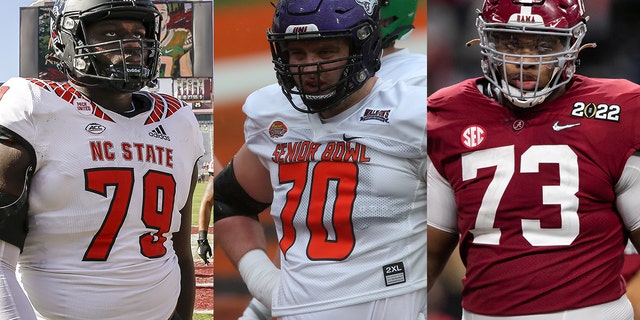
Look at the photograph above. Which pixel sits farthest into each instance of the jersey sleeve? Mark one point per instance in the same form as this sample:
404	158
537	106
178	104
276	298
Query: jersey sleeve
267	114
627	190
441	205
16	107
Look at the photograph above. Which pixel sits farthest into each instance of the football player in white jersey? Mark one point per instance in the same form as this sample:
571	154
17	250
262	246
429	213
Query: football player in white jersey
396	18
97	175
398	64
344	173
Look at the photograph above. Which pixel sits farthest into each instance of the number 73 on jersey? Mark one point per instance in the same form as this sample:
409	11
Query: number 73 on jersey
563	194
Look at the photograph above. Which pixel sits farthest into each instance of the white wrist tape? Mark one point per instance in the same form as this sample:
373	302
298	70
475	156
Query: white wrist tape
259	274
256	311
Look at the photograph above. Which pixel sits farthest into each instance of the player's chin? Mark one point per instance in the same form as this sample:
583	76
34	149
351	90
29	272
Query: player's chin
525	85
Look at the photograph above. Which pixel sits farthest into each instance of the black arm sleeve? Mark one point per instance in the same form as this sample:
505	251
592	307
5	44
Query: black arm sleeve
229	199
13	209
13	220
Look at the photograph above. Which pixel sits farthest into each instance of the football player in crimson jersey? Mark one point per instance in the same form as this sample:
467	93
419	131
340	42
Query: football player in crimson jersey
343	172
97	175
534	169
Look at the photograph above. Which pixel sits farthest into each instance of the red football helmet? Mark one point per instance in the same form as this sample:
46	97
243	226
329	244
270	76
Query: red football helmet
534	35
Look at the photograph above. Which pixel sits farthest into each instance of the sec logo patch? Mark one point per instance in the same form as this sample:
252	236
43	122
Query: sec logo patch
472	136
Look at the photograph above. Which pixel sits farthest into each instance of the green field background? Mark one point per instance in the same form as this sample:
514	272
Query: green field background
197	198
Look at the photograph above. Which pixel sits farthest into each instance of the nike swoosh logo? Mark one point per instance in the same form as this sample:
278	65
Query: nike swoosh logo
558	127
347	139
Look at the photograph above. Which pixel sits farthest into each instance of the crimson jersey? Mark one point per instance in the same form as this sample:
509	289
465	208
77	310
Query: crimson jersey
534	190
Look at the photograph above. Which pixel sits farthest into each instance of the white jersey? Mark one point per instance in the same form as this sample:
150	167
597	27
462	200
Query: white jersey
404	66
349	196
104	200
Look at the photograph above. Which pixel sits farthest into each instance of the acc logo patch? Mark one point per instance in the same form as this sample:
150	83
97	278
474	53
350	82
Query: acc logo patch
95	128
277	129
473	135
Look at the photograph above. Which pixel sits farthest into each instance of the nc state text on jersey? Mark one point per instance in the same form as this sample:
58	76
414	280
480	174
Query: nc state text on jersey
304	151
141	152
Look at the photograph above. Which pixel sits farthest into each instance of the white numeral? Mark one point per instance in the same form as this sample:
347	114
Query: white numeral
564	194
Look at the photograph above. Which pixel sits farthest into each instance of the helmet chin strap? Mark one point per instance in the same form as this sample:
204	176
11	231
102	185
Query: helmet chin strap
510	92
321	96
526	99
78	81
318	103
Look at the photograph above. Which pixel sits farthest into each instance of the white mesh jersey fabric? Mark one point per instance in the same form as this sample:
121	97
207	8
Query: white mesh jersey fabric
350	196
104	201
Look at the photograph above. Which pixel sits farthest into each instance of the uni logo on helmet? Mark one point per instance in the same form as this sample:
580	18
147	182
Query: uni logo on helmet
301	28
368	5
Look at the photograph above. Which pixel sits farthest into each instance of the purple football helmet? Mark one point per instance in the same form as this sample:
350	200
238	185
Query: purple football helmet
357	20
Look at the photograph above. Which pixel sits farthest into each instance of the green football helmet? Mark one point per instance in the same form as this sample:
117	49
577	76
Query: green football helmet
396	18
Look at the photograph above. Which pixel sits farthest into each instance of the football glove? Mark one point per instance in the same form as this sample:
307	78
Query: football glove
204	249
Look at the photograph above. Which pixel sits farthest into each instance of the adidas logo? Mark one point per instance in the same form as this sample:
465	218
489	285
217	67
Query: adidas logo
159	132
